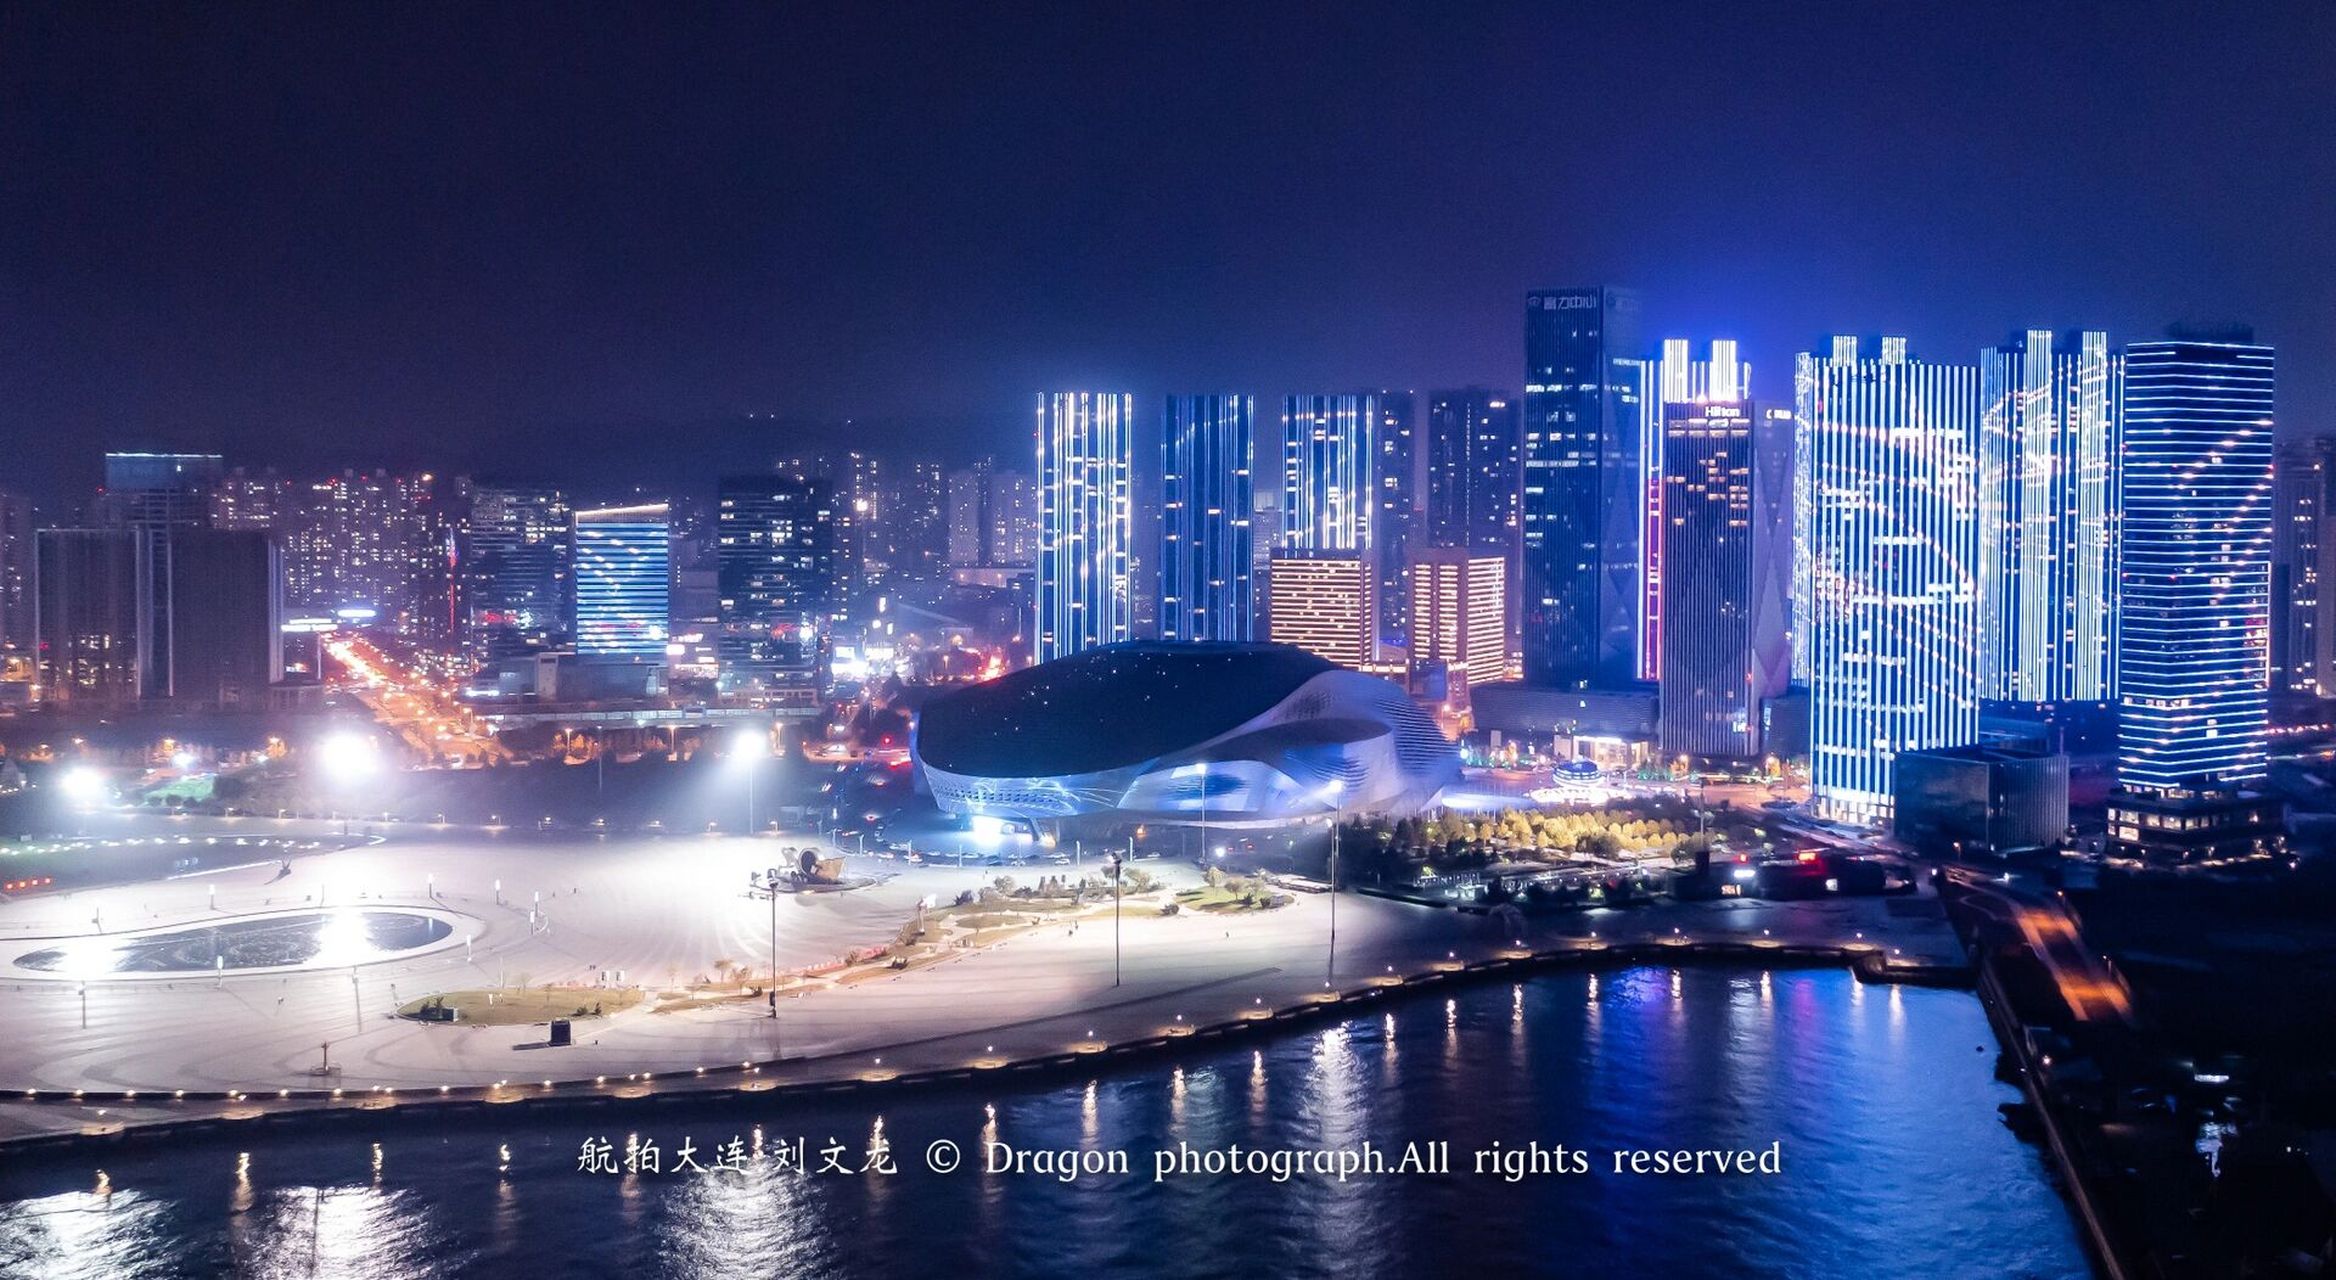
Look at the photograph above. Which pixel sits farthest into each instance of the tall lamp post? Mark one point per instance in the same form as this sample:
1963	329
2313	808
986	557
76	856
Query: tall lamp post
770	890
1336	793
753	747
1204	815
1115	865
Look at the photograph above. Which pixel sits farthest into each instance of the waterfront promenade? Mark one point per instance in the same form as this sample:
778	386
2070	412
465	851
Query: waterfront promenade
662	912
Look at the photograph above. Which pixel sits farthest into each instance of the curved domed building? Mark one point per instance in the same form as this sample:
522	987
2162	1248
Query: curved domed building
1235	733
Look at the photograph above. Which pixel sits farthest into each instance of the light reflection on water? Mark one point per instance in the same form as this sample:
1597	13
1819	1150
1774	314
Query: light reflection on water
1895	1163
342	1231
84	1233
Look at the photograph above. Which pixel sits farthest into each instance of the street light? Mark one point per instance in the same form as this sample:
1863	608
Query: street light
83	785
1335	792
752	746
1115	864
1204	812
347	756
770	890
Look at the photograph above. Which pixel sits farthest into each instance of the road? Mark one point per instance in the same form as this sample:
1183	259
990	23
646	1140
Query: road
2091	988
423	713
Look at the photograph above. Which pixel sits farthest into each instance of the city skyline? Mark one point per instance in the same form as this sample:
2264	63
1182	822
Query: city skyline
1467	633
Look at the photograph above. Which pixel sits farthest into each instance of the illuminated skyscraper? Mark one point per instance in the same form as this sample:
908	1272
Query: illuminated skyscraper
1675	377
967	492
354	544
1474	471
511	569
1329	461
1265	534
89	615
16	571
1328	470
1891	485
1475	481
2047	434
246	501
159	491
2303	567
184	614
2195	564
993	517
774	574
154	495
1012	532
909	537
1774	468
1085	443
1459	612
859	497
1321	602
623	576
1584	488
1723	651
1395	512
1207	449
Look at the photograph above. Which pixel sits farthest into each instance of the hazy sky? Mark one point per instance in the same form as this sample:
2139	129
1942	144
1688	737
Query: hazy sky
556	240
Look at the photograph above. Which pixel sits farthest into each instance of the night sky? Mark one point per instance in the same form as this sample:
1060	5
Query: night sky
553	240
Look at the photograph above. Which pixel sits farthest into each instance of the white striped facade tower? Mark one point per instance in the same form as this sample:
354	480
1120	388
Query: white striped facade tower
1329	455
2047	519
1085	522
1892	593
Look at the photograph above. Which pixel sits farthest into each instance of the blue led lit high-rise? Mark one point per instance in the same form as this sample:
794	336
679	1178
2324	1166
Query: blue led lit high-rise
623	567
1889	479
2194	588
1085	524
1207	450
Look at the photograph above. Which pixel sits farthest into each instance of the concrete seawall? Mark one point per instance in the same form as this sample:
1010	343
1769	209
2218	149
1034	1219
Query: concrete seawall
166	1114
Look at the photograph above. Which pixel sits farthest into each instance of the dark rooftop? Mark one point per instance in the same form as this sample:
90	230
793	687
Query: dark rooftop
1118	705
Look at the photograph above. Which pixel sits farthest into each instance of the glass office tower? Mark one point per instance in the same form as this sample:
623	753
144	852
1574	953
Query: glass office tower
1675	377
775	580
1583	506
511	565
1474	476
1723	652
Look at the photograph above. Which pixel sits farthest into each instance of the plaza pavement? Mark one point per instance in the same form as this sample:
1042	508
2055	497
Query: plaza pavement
663	911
